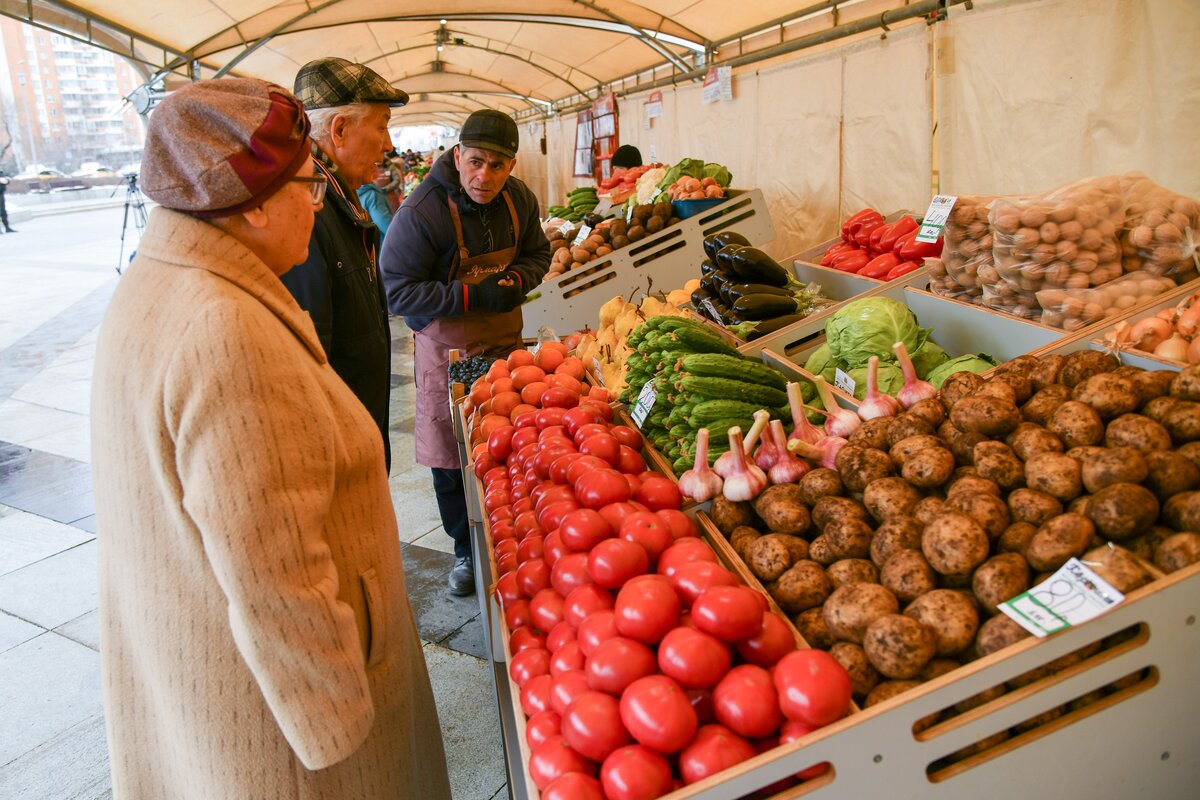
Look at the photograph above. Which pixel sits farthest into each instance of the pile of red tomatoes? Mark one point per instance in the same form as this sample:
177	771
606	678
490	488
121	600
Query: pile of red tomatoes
643	663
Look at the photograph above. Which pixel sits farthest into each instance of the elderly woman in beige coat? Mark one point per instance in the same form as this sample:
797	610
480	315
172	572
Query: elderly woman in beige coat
256	638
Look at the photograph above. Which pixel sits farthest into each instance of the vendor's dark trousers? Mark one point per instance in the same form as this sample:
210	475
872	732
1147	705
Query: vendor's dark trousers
452	504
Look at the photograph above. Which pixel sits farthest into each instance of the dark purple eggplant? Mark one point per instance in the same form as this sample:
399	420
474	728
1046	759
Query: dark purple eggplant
737	290
707	266
764	306
715	241
724	259
754	266
699	296
772	325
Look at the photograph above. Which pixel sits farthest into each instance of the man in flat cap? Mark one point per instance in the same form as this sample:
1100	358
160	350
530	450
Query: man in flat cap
349	106
459	257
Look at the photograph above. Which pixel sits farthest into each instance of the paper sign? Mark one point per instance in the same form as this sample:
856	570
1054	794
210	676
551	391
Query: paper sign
1071	596
935	218
603	207
629	212
596	368
718	84
584	232
844	382
645	402
654	106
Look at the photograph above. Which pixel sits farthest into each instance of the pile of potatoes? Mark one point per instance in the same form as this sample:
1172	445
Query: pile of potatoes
1161	230
896	561
610	235
966	263
1073	309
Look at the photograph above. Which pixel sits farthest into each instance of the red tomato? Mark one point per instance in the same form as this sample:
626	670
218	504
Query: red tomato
484	465
696	577
507	590
501	513
558	469
627	436
601	445
584	601
746	703
618	662
525	638
579	416
693	658
584	465
647	608
569	573
681	524
530	548
527	419
535	695
658	492
583	529
612	562
701	700
813	687
551	515
559	635
558	397
592	725
521	438
554	758
549	417
541	727
714	749
521	506
506	563
600	393
685	551
508	546
656	711
635	773
649	531
587	431
552	550
771	644
633	481
542	461
546	609
496	498
616	513
566	687
503	531
603	409
790	732
518	614
595	629
500	443
731	613
573	786
568	658
528	664
526	524
630	461
600	487
494	474
533	576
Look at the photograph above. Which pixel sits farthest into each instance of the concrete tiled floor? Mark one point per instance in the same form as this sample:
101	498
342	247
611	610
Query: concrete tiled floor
58	276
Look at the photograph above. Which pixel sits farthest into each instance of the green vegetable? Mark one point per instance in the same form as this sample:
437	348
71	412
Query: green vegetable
717	172
929	355
728	389
980	362
710	410
821	362
891	380
719	365
869	327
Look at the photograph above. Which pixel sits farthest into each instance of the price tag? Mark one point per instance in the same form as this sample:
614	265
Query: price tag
935	218
844	382
645	402
596	367
584	232
603	207
629	212
1071	596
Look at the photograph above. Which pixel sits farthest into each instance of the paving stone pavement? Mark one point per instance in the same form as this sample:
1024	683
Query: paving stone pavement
59	275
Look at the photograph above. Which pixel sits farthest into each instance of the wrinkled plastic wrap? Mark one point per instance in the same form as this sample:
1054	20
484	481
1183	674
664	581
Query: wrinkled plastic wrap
1161	230
966	265
1076	308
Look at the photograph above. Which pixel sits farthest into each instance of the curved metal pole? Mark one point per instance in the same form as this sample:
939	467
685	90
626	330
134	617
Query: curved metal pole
268	37
648	41
508	90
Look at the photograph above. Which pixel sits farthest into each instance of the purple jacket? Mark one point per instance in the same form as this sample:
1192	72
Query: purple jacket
420	246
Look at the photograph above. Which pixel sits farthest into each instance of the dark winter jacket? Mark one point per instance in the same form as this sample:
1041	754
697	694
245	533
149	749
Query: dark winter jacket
338	285
420	247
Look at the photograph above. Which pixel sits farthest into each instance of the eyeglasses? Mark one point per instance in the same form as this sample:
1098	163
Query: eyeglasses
317	184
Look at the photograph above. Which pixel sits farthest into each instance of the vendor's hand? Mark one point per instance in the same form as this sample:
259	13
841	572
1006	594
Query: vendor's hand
499	292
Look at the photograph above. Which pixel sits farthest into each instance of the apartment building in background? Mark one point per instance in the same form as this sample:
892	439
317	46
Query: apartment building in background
61	101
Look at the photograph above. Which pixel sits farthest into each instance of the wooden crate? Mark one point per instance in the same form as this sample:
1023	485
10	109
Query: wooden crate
669	258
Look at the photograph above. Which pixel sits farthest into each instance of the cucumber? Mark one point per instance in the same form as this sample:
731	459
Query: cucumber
729	389
718	365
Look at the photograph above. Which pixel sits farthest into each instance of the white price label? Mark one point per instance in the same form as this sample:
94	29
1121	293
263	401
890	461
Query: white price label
844	382
645	402
596	367
584	232
1071	596
629	212
935	218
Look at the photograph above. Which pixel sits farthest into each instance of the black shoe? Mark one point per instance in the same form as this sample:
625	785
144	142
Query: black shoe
10	230
462	577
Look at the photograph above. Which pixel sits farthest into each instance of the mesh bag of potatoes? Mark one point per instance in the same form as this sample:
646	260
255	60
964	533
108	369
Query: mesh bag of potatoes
1072	309
966	265
1161	231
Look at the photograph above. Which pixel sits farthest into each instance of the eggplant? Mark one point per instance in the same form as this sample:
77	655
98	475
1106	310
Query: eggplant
773	324
737	290
721	277
755	266
699	296
764	306
724	257
715	241
716	311
707	286
707	266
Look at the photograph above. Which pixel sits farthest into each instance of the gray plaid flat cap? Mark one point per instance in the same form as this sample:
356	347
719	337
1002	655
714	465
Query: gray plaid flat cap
331	82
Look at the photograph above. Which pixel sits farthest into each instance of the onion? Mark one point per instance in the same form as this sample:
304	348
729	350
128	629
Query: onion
838	421
1149	333
787	467
1189	321
1173	349
724	464
700	483
1193	351
747	481
914	390
801	428
823	453
876	403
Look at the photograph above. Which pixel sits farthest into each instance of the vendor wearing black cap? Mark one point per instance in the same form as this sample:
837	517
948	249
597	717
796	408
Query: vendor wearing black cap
349	106
459	257
626	158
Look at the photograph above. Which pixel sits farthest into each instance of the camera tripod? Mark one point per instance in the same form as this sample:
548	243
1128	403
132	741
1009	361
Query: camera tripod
135	204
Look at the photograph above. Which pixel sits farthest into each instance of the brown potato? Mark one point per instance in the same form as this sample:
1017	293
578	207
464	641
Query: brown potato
907	575
989	416
890	497
899	646
904	426
1150	384
928	468
1182	421
963	447
1054	474
989	511
1030	505
803	586
727	514
1186	385
768	557
873	433
1169	474
895	535
863	676
1064	537
1002	577
1039	408
939	667
1178	551
951	615
820	551
782	507
1158	408
1001	466
811	625
1047	371
830	508
850	609
998	633
1109	394
971	484
1083	364
1076	424
1016	538
1146	545
911	445
1029	439
927	509
886	690
1138	433
1021	385
818	483
1105	466
1001	390
858	466
958	386
848	571
930	410
740	540
954	544
1123	510
1117	566
848	537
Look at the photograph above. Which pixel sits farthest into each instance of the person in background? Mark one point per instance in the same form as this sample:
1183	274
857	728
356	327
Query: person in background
458	260
338	284
626	158
373	197
256	638
4	208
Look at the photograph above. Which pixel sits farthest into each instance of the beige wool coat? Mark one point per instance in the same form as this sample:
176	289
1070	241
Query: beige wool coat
256	638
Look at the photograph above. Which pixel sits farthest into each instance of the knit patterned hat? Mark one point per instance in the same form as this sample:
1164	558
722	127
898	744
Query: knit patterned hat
221	147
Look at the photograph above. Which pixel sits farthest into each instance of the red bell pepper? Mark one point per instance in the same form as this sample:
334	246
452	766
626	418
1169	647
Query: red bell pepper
835	249
903	268
877	234
850	226
862	235
850	261
909	249
879	266
897	229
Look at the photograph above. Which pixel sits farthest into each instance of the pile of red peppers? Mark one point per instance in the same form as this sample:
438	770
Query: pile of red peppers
876	249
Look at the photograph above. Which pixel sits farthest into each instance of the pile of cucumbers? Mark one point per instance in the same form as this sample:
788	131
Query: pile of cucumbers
579	202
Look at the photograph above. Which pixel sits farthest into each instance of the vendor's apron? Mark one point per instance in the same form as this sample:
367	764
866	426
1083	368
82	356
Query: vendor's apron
476	333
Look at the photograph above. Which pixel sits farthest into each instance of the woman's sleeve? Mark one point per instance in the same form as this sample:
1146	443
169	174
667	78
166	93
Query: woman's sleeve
254	453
